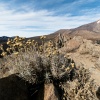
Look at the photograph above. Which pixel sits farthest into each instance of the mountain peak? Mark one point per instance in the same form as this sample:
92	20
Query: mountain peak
88	31
98	22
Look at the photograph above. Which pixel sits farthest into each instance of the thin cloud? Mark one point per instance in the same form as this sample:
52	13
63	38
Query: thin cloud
41	22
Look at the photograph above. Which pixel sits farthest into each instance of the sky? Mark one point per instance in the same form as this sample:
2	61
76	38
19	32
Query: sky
28	18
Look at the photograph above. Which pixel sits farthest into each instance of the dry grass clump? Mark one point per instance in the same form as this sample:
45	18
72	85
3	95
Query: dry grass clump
82	88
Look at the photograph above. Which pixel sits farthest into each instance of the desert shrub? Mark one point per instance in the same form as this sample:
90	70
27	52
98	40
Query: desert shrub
40	64
37	68
82	88
37	63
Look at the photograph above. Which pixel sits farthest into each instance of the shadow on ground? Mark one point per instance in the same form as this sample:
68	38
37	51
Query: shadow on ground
14	88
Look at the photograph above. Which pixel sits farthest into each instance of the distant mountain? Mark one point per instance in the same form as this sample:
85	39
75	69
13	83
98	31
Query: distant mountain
94	27
4	38
88	31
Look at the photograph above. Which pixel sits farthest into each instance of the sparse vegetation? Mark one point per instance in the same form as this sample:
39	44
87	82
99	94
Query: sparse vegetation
82	88
44	64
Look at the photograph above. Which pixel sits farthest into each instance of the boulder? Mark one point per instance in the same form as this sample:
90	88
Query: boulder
12	88
72	44
50	92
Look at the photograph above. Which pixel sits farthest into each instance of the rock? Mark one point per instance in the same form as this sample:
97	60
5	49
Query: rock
12	88
50	92
73	44
86	47
89	48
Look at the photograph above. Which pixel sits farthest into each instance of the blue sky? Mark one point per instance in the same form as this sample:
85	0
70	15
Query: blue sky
29	18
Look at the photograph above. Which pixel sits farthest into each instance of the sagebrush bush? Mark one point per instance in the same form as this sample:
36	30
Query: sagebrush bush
82	88
37	63
37	68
